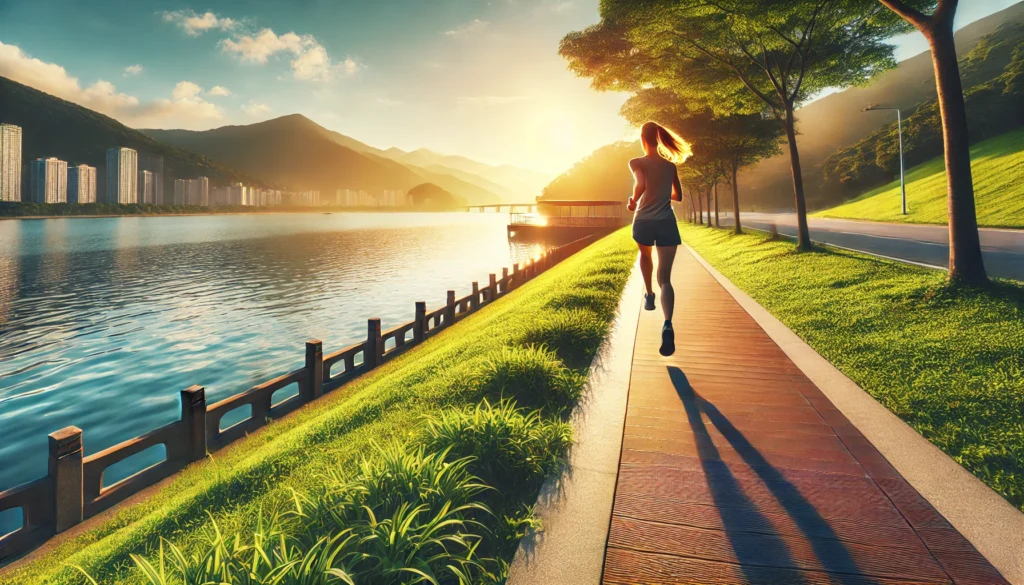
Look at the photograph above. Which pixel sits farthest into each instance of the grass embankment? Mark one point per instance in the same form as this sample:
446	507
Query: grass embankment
998	166
406	468
948	361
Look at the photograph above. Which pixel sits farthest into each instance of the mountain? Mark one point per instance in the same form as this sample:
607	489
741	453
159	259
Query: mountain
55	127
297	152
838	120
601	176
521	185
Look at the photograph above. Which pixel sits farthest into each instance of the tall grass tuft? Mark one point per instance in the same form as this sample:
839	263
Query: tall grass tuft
532	376
574	334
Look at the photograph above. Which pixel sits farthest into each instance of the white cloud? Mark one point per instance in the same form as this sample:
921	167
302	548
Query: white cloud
491	100
471	27
220	91
185	109
195	24
259	47
310	60
186	90
133	70
388	102
256	109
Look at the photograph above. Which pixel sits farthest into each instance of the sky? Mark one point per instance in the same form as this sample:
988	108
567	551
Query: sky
477	78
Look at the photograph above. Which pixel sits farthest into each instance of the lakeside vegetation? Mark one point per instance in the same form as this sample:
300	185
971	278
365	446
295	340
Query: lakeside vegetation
426	467
998	168
947	359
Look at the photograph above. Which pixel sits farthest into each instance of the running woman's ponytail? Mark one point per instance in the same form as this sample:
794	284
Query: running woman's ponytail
668	144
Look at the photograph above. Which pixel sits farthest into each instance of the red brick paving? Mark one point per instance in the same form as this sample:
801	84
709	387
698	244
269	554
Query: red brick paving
735	468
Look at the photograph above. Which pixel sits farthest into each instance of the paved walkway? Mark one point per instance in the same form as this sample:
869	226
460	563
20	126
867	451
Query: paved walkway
735	468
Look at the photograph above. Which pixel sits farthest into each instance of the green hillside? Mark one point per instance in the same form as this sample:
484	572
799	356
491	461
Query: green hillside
299	153
998	165
55	127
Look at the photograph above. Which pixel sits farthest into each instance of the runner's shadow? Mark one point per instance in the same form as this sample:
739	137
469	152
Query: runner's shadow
754	539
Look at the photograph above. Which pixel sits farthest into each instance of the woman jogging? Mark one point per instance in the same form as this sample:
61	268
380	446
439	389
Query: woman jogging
654	223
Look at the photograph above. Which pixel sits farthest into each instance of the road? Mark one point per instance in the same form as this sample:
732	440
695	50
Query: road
1003	250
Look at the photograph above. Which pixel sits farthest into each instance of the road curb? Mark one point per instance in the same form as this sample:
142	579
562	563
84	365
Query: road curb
575	506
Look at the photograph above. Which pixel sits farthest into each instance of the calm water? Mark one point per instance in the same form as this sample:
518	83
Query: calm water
103	321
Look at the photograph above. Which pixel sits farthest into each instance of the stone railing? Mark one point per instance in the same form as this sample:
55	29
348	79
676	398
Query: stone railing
74	490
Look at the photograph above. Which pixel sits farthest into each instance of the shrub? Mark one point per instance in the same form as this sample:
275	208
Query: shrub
532	376
507	446
574	335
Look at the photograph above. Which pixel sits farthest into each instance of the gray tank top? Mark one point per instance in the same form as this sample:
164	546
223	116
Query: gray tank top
656	201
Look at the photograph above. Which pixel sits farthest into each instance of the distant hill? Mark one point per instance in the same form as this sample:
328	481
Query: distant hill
55	127
296	151
520	185
838	120
433	197
602	176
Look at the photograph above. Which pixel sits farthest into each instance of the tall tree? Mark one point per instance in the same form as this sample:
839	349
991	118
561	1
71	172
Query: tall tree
738	56
965	260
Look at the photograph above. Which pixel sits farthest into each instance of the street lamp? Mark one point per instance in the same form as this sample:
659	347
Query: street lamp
899	124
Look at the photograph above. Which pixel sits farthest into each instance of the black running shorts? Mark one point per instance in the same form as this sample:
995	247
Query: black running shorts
656	232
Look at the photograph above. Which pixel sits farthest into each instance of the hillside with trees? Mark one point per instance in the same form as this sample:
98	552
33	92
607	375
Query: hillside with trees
55	127
993	74
431	197
603	176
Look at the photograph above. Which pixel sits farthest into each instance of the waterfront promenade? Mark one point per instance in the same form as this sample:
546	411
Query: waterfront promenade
732	466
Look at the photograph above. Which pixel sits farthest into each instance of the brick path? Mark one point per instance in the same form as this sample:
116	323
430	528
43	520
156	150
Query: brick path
735	468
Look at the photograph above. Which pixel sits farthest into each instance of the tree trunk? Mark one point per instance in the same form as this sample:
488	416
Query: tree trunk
700	208
736	229
708	195
965	260
717	225
803	239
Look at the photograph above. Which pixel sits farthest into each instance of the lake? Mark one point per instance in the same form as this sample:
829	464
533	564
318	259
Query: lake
104	320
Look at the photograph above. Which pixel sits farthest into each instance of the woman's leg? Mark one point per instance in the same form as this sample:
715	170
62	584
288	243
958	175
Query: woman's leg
646	266
666	255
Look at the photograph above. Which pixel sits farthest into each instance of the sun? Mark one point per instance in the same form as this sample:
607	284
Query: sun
562	135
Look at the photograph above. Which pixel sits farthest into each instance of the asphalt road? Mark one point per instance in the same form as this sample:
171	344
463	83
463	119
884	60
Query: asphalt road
1003	250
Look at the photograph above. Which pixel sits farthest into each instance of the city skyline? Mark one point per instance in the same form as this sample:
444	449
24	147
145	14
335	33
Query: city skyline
384	74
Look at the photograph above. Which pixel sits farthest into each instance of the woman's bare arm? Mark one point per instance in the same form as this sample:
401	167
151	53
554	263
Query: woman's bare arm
677	188
639	184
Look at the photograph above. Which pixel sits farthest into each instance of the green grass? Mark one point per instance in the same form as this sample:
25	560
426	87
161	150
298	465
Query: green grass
510	350
998	169
948	361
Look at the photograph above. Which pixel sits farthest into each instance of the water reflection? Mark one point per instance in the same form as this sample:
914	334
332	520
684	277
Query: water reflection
102	321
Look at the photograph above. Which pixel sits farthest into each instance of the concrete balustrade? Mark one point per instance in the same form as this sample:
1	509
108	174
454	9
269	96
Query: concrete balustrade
73	488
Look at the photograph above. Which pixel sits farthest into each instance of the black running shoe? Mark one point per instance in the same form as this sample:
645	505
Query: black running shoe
649	302
668	340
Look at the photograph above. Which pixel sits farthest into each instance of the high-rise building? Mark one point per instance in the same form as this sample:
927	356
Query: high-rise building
10	162
147	187
122	175
192	191
48	180
82	184
154	163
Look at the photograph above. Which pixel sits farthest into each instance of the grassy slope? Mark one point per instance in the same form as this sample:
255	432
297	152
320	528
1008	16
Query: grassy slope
255	475
949	362
998	165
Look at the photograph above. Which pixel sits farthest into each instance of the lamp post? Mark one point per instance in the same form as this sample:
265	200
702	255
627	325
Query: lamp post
899	124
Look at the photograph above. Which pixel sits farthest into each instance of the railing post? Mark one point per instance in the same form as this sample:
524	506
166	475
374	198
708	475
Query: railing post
193	416
315	367
504	276
492	287
474	301
372	354
65	471
449	309
418	324
515	275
